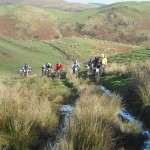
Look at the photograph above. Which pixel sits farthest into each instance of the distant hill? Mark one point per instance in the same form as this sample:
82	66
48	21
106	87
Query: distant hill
58	4
121	22
97	4
127	22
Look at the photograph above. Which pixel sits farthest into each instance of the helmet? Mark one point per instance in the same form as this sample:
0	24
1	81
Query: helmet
102	55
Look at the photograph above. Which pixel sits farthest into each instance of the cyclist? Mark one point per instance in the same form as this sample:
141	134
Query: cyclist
29	70
58	66
58	69
90	67
43	69
75	67
94	64
48	68
90	62
103	61
26	67
22	70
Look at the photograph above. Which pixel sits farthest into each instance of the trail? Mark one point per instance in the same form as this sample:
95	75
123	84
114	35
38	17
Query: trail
66	111
127	116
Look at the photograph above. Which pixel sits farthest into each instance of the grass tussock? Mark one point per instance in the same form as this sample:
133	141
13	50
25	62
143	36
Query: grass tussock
143	85
114	68
92	124
27	113
138	94
139	87
95	124
134	84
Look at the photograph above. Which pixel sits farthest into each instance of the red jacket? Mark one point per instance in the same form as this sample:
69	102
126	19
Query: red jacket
58	67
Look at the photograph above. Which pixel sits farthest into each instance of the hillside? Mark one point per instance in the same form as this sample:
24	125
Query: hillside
37	23
58	4
121	22
15	53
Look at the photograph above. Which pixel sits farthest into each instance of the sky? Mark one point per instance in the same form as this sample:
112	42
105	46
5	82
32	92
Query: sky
101	1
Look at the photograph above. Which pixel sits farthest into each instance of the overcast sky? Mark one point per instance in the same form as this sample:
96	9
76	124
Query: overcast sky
101	1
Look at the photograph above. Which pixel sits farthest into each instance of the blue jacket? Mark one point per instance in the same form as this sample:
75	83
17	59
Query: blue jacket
74	65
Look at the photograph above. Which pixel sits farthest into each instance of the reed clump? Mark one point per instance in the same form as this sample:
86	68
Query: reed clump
27	112
92	125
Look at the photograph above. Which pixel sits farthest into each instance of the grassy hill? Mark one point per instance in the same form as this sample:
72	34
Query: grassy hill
26	21
126	22
122	22
16	52
83	48
35	53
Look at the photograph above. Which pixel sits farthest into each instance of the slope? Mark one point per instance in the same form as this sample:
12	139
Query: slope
33	52
14	53
125	22
84	48
26	22
121	22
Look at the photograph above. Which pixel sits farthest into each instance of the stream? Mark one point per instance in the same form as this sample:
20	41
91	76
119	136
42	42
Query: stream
66	111
127	116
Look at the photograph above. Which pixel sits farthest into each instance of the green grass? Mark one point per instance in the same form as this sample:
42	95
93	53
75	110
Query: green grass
65	17
119	82
16	52
133	84
35	53
84	49
78	48
131	56
116	83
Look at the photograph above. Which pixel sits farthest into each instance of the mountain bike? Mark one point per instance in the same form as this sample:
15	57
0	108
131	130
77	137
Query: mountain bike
58	73
89	71
43	72
98	73
48	72
75	71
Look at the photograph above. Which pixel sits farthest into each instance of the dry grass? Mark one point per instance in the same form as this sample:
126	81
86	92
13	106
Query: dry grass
140	86
115	68
142	82
26	113
92	126
95	124
136	89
